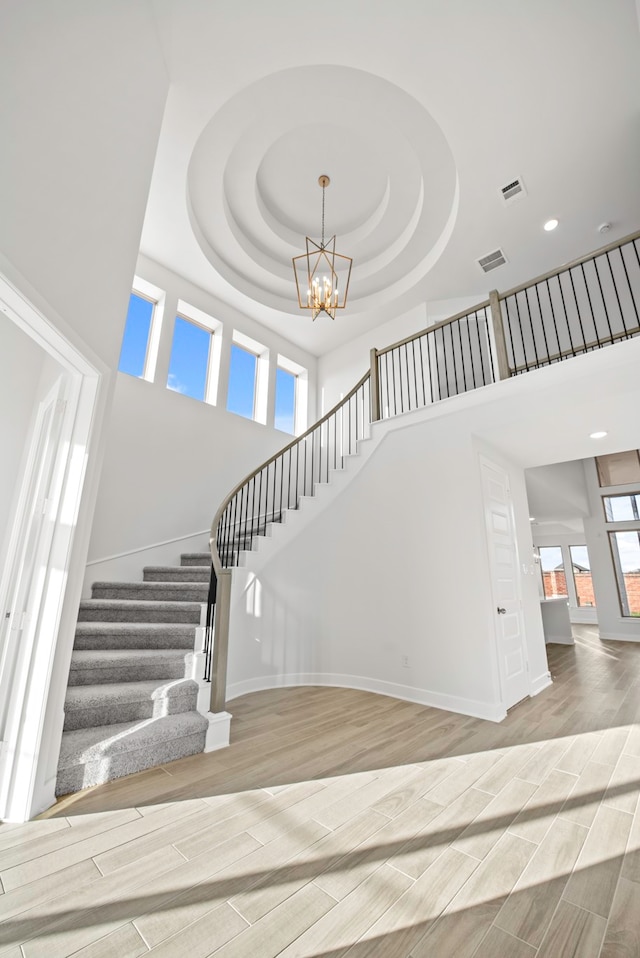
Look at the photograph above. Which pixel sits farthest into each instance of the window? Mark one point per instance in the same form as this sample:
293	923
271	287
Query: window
581	568
554	579
285	418
625	549
189	364
622	517
292	387
241	398
137	332
619	468
621	508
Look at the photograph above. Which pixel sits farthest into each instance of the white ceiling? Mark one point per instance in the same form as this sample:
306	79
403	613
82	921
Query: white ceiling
419	111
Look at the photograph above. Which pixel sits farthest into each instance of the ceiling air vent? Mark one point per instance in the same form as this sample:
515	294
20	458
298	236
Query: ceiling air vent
513	191
492	260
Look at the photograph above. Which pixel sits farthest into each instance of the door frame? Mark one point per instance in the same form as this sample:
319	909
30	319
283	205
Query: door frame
27	784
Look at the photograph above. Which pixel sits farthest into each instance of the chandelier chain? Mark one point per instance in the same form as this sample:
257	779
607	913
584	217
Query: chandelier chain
322	240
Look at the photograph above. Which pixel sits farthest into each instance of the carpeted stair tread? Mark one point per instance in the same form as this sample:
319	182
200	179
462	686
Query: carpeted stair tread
188	573
196	558
128	665
134	635
157	591
137	610
90	756
110	704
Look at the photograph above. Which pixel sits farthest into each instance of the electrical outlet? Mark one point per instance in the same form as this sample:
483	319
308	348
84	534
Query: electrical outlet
405	661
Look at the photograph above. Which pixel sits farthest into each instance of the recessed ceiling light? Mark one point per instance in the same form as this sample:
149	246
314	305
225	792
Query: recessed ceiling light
532	518
597	435
550	225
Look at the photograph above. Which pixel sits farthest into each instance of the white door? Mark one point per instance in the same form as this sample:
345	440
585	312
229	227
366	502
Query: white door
505	581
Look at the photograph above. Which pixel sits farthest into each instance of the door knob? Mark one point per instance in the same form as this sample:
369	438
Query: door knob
501	611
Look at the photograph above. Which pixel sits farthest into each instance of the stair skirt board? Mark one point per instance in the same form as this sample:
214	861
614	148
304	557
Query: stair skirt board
88	758
132	701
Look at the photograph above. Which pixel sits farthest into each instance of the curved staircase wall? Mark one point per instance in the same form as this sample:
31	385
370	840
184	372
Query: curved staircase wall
368	594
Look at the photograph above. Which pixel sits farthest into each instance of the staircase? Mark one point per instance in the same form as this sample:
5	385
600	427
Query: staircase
132	696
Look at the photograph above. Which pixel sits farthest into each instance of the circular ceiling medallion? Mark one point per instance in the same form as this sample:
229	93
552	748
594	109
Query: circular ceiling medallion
253	191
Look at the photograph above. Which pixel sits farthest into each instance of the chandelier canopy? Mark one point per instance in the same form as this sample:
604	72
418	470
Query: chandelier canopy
322	274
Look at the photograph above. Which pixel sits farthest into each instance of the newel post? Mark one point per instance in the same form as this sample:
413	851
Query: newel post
498	335
374	386
221	643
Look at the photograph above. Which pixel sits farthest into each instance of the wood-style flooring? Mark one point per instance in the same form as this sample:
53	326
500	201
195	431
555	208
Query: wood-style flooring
341	823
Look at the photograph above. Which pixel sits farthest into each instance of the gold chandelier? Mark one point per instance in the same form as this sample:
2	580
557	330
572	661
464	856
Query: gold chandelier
322	275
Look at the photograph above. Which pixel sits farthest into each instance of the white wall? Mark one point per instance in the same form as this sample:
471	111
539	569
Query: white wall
611	623
376	577
169	462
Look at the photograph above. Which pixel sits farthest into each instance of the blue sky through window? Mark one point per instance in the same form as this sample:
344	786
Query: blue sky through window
189	359
136	336
242	382
285	400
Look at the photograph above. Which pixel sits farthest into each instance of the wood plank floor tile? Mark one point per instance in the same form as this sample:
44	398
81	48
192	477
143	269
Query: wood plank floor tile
282	926
58	929
406	922
47	888
622	938
173	901
344	923
544	761
468	917
583	803
624	785
13	835
528	910
593	882
631	864
573	933
491	823
611	745
125	942
545	804
431	839
632	745
327	857
505	769
203	937
396	836
59	843
579	753
499	944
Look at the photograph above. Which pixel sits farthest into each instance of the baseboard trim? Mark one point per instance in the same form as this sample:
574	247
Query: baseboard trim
540	683
492	712
616	637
